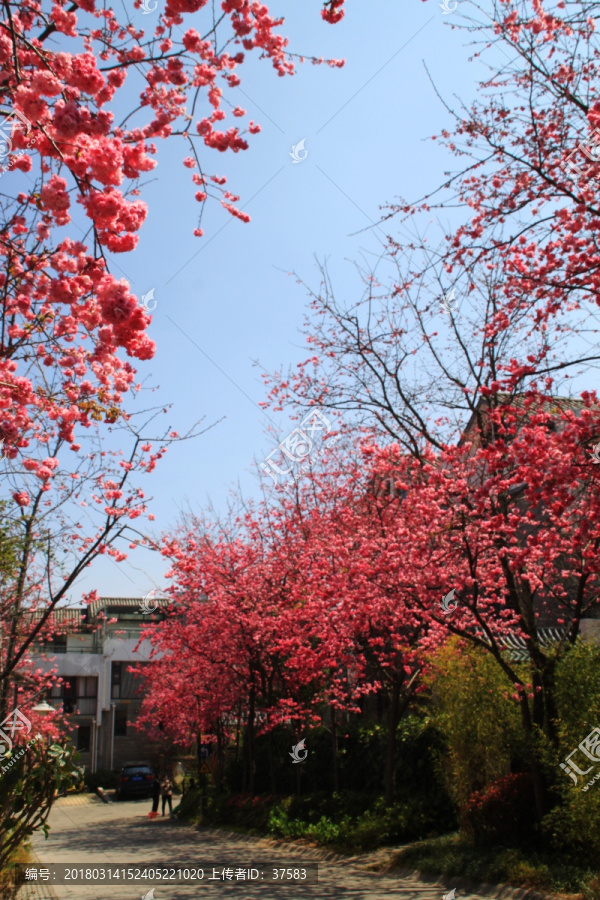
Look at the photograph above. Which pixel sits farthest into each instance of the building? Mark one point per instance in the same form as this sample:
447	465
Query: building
92	649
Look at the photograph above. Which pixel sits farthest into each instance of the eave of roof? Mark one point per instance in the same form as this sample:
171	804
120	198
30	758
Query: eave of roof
103	603
519	402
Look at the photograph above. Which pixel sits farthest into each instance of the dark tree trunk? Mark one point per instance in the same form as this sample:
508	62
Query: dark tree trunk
237	732
393	717
220	758
198	760
549	693
249	748
334	749
539	787
272	776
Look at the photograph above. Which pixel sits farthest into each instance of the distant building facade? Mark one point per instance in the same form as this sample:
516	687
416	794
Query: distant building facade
92	654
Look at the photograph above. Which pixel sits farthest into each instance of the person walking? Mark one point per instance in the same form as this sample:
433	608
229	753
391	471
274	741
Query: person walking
166	791
155	795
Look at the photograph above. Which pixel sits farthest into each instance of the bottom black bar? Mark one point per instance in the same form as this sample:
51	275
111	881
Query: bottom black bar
176	873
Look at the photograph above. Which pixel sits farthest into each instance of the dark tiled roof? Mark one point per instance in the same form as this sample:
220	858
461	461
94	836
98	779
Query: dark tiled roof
116	603
62	615
555	405
516	648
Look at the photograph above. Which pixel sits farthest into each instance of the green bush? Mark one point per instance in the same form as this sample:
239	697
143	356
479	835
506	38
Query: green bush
503	813
335	821
480	723
104	778
190	804
455	856
574	824
31	777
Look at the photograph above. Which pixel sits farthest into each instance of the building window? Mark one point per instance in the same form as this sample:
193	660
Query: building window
125	684
115	680
78	694
87	686
84	738
56	644
69	696
120	722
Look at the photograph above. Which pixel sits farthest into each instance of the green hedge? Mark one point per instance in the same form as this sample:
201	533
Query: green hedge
104	778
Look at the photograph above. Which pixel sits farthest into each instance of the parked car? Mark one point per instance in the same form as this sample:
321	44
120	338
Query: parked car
135	780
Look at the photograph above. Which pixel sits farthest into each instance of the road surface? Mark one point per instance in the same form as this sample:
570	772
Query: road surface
88	833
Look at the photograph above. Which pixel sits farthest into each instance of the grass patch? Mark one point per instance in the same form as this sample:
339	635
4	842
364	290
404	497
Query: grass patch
453	855
8	888
349	822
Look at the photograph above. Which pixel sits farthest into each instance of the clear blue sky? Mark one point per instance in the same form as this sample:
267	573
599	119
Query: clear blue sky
365	128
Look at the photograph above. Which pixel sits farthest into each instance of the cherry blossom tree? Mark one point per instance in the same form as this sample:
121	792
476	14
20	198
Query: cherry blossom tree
510	528
239	645
286	616
75	145
464	347
505	296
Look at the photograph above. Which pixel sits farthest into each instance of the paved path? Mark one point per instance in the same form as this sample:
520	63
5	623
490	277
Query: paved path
92	833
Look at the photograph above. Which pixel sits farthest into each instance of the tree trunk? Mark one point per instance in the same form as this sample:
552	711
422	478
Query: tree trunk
334	748
393	718
539	787
249	748
272	776
549	693
220	758
198	758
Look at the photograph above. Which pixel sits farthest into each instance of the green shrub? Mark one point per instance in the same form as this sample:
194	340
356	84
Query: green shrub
331	822
574	824
31	776
480	723
104	778
455	856
503	813
190	805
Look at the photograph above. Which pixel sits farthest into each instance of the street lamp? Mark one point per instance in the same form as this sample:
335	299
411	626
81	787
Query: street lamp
43	709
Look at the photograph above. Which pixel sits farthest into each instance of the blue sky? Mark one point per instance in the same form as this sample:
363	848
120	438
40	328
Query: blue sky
228	296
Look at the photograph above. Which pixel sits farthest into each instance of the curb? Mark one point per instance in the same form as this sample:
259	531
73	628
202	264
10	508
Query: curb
36	890
498	891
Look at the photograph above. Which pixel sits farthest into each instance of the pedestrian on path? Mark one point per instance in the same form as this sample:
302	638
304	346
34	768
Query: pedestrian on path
166	790
155	795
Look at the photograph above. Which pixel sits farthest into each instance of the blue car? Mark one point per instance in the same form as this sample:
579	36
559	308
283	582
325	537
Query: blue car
135	780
